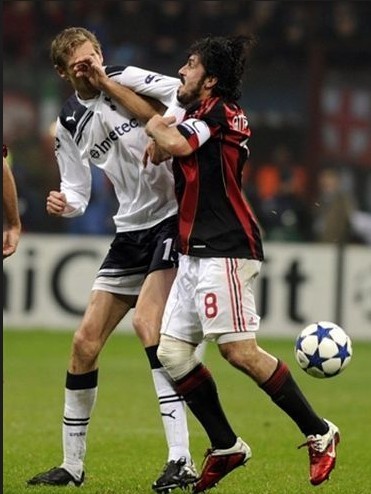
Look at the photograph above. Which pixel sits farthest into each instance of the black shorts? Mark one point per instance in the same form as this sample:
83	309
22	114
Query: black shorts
133	255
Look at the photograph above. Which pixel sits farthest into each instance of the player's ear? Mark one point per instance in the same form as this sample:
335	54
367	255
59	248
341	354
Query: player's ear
61	72
210	81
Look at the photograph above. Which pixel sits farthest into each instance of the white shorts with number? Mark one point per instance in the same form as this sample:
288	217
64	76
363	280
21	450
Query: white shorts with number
212	298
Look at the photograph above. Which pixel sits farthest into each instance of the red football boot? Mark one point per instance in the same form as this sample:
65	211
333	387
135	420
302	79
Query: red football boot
322	454
220	462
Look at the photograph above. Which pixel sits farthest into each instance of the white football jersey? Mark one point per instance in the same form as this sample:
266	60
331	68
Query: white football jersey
100	132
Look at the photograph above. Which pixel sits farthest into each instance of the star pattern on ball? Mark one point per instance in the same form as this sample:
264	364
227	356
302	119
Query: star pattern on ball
323	333
316	360
343	352
323	349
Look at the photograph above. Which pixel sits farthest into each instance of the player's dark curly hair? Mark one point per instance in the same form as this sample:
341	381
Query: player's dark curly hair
224	58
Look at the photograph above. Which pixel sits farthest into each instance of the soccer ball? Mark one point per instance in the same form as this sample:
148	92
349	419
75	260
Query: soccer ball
323	349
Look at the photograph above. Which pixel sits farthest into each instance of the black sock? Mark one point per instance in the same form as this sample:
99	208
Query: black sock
285	393
82	381
151	352
199	391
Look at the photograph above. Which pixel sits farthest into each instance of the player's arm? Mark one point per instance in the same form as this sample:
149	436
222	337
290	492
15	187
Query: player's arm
142	107
149	83
12	226
153	151
180	140
10	199
75	187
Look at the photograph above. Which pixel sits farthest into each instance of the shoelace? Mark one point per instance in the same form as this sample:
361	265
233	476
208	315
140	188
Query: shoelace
314	444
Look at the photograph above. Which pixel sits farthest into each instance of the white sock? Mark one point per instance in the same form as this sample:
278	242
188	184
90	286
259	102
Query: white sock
174	417
78	406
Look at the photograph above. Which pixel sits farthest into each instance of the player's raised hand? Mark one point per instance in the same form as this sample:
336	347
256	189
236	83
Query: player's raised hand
91	68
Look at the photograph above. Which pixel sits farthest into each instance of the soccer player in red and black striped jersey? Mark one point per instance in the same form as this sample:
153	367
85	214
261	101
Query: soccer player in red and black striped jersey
212	297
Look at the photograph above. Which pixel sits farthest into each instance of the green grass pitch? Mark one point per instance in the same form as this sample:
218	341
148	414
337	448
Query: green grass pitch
126	447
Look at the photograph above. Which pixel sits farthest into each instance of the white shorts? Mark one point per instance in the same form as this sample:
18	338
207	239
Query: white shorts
212	298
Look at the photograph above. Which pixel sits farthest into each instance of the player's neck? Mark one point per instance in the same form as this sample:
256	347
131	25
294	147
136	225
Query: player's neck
86	94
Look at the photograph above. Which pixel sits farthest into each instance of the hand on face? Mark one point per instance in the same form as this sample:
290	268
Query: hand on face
90	67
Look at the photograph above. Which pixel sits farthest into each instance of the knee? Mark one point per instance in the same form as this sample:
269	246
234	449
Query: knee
138	322
178	357
85	347
241	356
165	354
146	329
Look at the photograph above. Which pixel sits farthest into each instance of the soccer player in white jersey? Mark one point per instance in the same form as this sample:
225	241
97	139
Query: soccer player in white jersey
93	128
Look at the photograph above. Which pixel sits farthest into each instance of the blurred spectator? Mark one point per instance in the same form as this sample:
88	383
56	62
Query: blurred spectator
209	19
260	19
129	38
19	29
278	198
94	20
52	16
345	21
334	208
295	30
168	34
347	33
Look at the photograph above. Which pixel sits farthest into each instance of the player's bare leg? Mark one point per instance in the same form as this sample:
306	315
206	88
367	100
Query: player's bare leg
150	306
104	312
179	470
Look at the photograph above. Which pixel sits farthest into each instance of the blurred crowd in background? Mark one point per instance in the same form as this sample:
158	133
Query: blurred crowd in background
307	95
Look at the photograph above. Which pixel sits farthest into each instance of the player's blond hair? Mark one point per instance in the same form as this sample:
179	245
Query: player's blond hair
67	41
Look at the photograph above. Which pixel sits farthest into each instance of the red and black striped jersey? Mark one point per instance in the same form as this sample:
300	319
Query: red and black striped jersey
215	220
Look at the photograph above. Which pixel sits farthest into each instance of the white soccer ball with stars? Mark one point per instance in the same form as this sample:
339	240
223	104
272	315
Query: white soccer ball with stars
323	349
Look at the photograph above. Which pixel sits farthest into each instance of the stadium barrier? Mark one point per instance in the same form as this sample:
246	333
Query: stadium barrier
46	284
